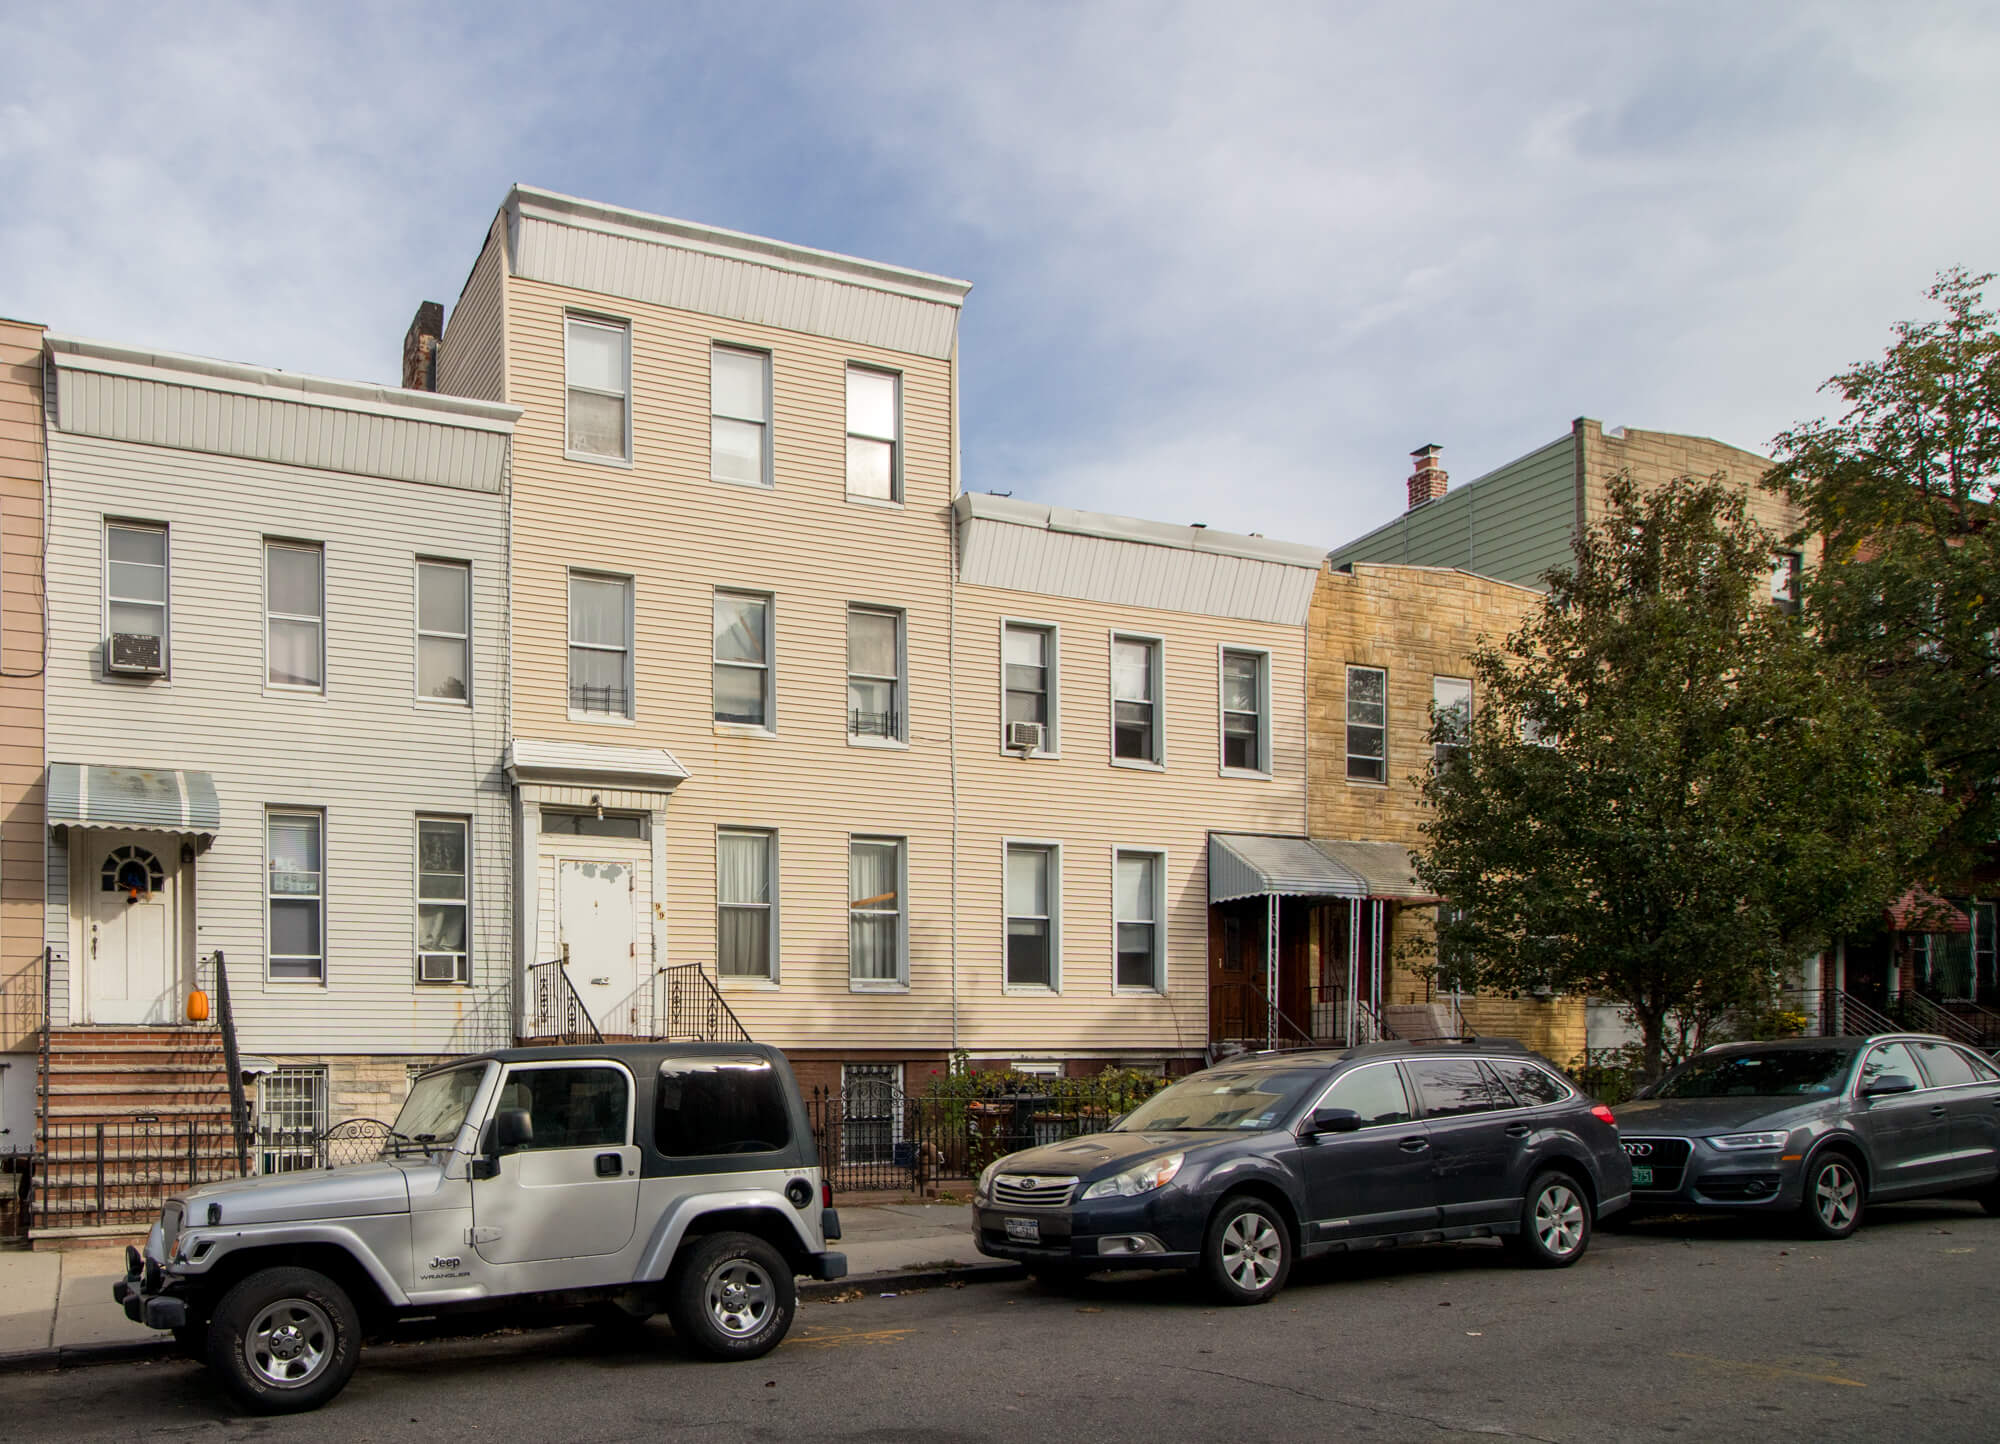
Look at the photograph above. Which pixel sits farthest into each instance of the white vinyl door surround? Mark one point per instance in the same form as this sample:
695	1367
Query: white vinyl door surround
602	901
126	887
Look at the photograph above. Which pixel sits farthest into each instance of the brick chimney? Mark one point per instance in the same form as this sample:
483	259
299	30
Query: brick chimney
1427	478
420	347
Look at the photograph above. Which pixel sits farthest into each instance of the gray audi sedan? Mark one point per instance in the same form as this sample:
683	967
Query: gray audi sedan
1818	1126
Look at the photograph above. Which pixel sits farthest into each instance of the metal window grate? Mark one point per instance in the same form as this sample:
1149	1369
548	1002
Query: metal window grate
291	1115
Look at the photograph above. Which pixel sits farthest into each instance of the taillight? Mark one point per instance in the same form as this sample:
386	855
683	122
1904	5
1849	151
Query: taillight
825	1194
1598	1110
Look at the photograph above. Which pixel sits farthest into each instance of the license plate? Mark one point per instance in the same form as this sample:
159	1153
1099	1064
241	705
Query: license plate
1024	1230
1642	1178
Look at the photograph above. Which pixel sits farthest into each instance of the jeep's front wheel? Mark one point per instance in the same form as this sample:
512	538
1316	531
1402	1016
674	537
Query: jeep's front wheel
285	1340
733	1297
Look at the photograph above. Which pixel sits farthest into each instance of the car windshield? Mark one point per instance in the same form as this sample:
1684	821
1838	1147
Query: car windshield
1771	1073
1245	1098
437	1104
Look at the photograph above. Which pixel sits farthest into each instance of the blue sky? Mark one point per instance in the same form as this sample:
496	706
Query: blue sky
1230	263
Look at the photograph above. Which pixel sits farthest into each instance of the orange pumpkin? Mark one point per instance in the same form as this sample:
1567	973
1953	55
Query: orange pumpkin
197	1006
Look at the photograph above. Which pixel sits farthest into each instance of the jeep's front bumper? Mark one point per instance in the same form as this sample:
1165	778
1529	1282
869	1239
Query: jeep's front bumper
827	1266
142	1294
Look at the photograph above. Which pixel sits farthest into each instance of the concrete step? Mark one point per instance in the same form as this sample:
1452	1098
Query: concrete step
134	1093
108	1235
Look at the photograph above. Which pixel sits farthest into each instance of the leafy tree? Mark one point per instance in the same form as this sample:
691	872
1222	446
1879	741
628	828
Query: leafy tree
1901	488
1702	798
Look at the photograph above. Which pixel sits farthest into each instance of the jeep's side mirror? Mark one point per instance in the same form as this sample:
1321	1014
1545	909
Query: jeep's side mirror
1335	1120
513	1128
1888	1083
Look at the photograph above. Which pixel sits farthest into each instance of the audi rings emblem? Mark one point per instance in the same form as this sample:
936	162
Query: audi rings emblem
1638	1150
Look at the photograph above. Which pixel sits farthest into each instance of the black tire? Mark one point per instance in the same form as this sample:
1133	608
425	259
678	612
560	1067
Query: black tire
732	1297
1247	1254
1834	1196
1555	1221
1989	1199
191	1339
285	1340
1057	1278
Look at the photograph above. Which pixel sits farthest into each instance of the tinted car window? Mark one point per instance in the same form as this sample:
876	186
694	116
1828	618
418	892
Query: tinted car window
1759	1073
1376	1093
1460	1086
1945	1065
708	1106
1529	1085
571	1107
1224	1098
1887	1059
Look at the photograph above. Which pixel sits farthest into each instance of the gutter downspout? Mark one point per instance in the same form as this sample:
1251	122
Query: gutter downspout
951	680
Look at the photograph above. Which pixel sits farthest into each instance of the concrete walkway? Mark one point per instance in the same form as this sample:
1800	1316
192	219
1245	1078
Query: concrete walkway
56	1308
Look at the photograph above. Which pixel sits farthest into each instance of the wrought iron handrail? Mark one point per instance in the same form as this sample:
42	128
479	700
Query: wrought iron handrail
690	1008
554	1007
1939	1020
239	1104
1280	1030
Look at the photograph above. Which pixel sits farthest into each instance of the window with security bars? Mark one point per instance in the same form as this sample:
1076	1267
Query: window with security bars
600	645
291	1116
871	1112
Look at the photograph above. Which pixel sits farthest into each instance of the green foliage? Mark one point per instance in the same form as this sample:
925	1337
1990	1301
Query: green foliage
981	1106
1902	488
1712	799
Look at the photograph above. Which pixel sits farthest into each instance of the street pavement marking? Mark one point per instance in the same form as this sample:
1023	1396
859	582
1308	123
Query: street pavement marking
1771	1371
835	1340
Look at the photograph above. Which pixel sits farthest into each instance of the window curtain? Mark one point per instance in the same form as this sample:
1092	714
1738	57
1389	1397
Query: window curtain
743	896
874	899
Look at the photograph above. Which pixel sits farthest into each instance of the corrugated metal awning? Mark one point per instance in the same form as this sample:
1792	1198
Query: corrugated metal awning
1244	865
1385	866
148	799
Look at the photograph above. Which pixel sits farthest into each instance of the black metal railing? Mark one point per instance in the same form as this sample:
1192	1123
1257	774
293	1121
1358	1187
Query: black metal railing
610	701
1926	1015
689	1008
1831	1013
232	1058
554	1010
118	1172
23	1005
874	724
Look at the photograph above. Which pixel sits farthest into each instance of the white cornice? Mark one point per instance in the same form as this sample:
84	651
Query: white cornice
983	506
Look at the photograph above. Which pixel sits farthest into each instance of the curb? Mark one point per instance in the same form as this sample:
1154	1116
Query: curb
931	1278
77	1356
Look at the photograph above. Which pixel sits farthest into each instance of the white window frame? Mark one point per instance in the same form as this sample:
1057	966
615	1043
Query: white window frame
901	982
771	855
1223	653
1054	849
294	688
900	737
1792	564
766	479
464	639
1158	645
631	649
895	496
318	817
608	323
1052	730
769	666
1348	756
1439	749
1036	1067
166	602
1158	857
463	974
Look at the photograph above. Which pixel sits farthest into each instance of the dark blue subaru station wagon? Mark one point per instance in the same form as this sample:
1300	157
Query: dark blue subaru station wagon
1239	1170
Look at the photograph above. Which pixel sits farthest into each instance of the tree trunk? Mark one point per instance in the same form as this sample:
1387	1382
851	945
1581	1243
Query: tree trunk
1652	1043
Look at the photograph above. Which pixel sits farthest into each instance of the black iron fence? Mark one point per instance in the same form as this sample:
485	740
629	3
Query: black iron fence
679	1004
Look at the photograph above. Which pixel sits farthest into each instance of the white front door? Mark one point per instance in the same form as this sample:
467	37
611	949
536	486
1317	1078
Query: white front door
129	933
597	933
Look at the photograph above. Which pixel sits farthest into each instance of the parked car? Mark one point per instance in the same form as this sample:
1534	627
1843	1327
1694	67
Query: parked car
1239	1170
1818	1126
637	1178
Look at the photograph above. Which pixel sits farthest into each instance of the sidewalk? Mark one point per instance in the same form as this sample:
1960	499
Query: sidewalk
56	1308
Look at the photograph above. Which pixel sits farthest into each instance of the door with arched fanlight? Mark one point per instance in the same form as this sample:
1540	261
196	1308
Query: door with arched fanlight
129	937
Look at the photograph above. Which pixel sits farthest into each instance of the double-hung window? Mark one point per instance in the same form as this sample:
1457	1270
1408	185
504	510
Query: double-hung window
135	597
597	368
746	900
875	674
743	692
444	631
1785	581
444	954
1137	895
295	896
1034	944
874	434
875	913
1451	718
1246	711
295	615
1028	667
739	405
1367	724
600	645
1135	700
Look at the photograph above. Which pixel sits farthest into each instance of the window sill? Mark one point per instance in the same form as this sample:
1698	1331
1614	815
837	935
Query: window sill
602	719
1131	764
134	679
591	458
743	729
316	694
855	985
434	986
1121	990
271	982
441	704
743	485
1366	782
1030	990
880	503
878	744
1248	774
1039	755
754	985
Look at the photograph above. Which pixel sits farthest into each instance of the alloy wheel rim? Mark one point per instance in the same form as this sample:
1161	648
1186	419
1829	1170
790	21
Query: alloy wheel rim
1835	1193
741	1299
1559	1220
1251	1251
289	1344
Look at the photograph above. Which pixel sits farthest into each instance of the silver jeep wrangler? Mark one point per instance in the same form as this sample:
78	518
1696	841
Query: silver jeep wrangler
626	1178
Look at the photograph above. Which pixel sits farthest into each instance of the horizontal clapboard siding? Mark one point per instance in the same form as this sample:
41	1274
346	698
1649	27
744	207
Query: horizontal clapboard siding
21	863
472	355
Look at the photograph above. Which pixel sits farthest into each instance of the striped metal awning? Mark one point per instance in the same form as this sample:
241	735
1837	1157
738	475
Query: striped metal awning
146	799
1384	866
1244	865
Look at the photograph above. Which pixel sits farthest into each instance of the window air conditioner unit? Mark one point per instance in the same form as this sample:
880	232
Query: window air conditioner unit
431	968
1024	737
133	652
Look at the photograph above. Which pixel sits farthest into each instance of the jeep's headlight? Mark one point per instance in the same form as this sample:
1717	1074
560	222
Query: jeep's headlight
1750	1140
1152	1174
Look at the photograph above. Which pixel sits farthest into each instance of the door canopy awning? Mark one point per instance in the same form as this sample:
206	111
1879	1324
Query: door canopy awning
1244	865
144	799
1922	911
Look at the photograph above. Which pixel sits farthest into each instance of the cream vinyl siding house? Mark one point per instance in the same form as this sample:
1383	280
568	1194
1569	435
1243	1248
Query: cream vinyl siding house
334	568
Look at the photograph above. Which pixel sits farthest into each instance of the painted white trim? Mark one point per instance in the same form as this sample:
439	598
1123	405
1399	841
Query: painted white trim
769	726
901	984
274	810
1055	915
1161	914
607	322
417	564
1158	761
1264	771
295	544
631	583
773	979
1052	731
769	479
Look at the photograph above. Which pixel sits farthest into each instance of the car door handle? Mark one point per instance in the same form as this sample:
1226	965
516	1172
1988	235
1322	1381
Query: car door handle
1937	1110
1517	1130
609	1165
1414	1145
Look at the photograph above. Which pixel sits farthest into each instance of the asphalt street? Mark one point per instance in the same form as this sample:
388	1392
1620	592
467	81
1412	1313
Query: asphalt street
1713	1329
